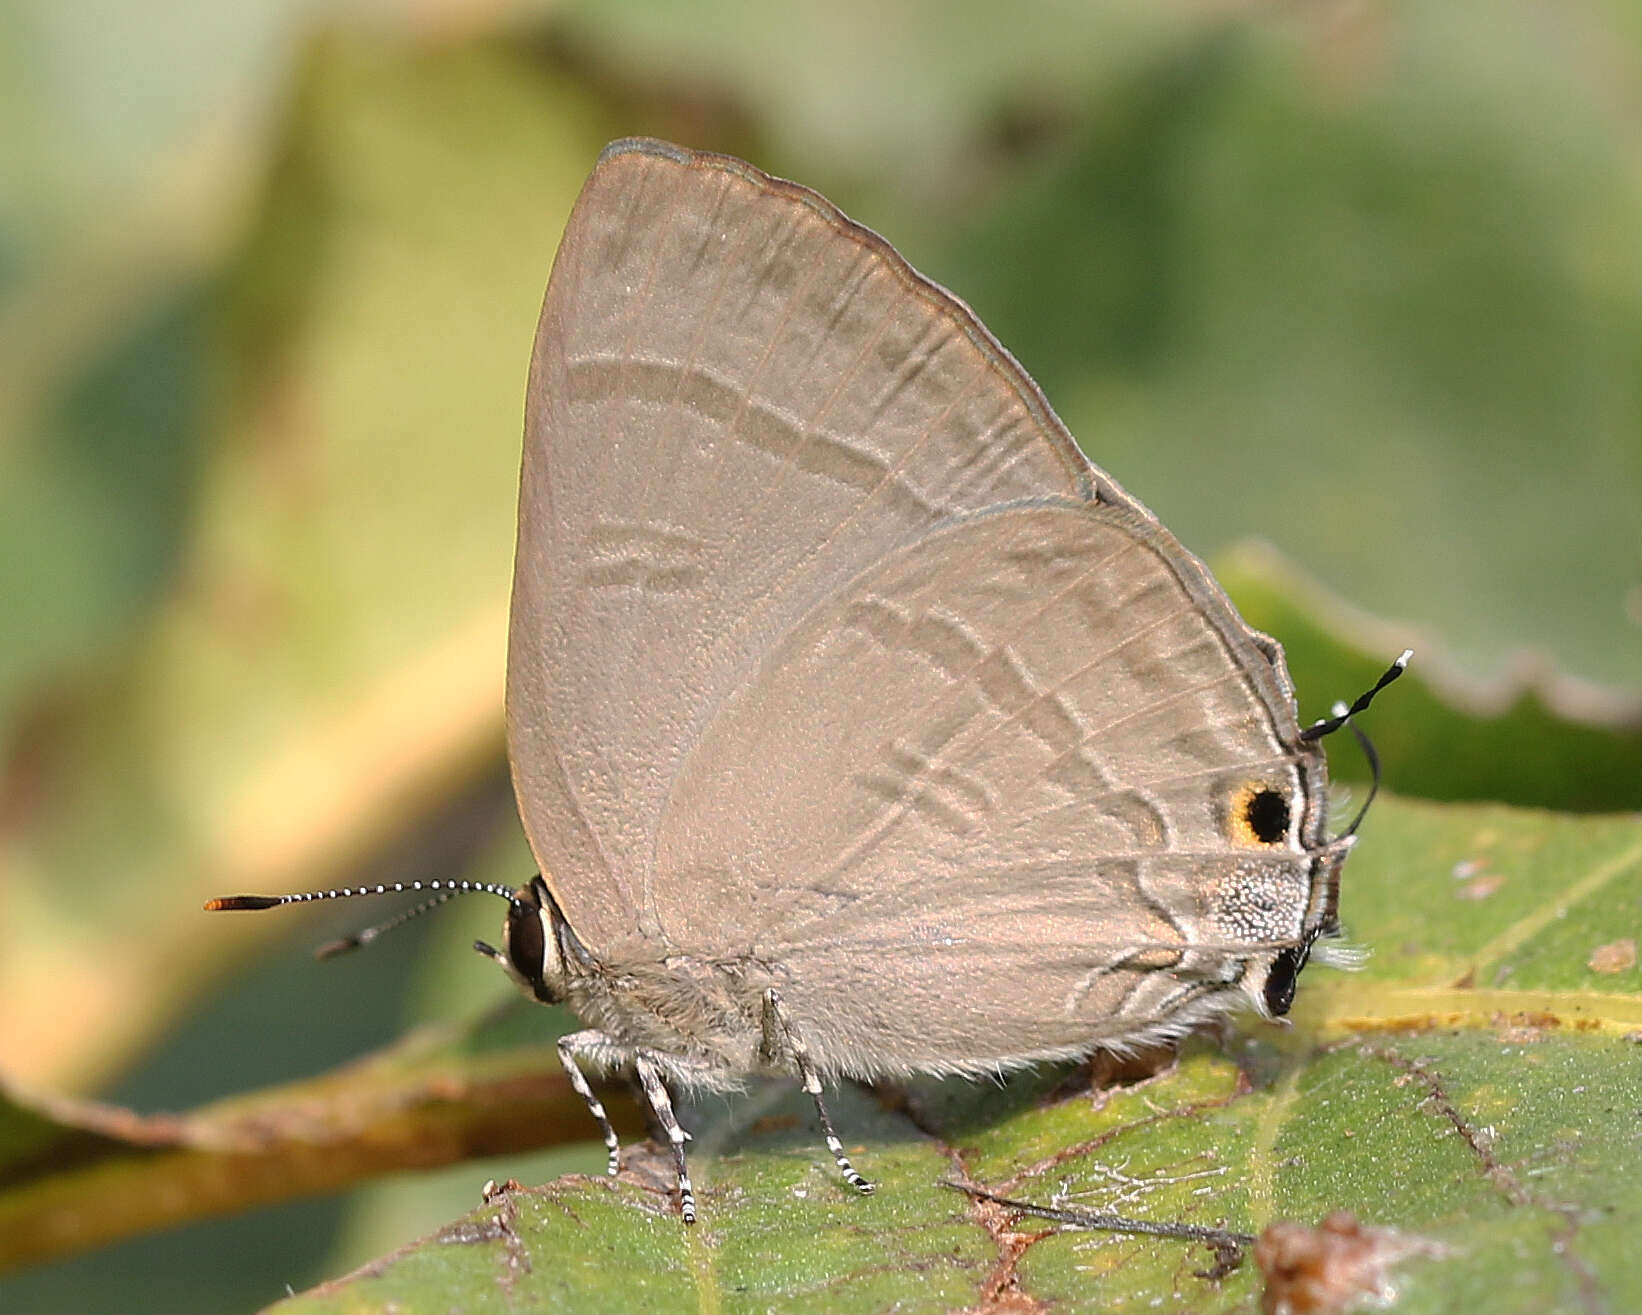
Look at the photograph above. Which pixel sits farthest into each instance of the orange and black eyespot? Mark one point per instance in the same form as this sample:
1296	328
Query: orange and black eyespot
1260	815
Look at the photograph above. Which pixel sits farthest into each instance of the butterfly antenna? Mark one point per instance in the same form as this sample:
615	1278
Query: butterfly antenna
442	891
1341	715
1373	756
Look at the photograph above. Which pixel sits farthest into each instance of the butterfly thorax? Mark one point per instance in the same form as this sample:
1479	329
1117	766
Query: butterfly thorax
705	1016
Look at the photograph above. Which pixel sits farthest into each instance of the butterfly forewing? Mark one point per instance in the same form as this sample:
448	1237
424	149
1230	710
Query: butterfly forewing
738	400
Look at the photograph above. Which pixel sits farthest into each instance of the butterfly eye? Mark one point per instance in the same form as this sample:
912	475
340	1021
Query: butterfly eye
526	944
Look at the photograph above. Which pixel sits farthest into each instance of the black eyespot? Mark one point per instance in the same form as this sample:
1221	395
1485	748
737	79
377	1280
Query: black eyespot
526	950
1267	813
1284	977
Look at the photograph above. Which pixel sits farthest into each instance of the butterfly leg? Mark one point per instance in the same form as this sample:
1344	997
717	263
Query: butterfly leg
778	1026
594	1046
661	1105
604	1051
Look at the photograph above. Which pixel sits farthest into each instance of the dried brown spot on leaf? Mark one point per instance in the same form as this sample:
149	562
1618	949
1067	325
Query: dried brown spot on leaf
1614	957
1329	1268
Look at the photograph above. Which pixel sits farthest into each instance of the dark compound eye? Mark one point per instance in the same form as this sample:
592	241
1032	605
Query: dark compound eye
1267	815
526	950
1284	977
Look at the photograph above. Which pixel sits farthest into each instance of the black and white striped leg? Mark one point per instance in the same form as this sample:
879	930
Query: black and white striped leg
777	1018
592	1044
661	1105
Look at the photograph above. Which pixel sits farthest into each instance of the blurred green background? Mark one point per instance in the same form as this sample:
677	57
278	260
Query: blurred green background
1349	293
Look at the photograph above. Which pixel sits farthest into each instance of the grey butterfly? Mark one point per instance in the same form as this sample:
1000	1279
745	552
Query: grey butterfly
859	725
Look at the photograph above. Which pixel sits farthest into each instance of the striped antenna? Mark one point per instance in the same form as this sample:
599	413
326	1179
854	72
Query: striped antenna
441	892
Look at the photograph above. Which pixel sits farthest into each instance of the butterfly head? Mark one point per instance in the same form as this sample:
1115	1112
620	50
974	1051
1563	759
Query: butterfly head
534	938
